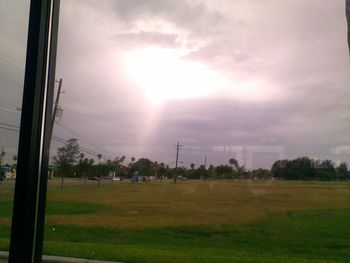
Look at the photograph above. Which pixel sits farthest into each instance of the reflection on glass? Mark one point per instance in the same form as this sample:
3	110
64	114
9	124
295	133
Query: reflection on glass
201	131
13	41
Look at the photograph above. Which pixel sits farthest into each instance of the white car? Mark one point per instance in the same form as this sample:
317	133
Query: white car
118	179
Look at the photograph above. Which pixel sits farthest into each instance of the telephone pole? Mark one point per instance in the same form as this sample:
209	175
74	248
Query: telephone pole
56	103
177	159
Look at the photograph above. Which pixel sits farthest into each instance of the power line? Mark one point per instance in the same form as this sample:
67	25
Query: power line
73	132
101	117
10	62
66	143
82	147
86	140
10	125
9	110
9	129
15	128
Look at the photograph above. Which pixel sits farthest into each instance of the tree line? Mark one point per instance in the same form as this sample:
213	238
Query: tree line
72	162
304	168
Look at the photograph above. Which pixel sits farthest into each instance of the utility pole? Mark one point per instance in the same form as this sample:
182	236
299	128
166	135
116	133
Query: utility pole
205	165
99	156
53	120
177	159
56	104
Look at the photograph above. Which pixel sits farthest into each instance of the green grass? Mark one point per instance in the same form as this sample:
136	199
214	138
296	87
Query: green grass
312	236
276	222
58	208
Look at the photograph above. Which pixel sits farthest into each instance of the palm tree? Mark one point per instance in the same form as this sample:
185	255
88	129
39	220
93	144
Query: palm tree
234	163
192	166
155	166
2	154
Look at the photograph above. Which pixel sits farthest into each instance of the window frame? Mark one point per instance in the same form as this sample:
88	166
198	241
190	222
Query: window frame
27	229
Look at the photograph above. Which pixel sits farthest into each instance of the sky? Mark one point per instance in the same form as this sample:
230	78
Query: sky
252	80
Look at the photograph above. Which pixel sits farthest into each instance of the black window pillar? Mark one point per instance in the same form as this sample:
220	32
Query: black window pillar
35	133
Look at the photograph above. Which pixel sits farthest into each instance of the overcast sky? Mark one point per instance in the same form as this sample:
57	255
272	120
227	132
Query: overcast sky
254	80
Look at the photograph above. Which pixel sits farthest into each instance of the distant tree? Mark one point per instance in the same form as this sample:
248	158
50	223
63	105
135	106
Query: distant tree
261	174
202	172
84	168
120	169
144	166
343	167
66	157
156	167
234	163
2	154
181	172
224	171
122	159
211	171
162	172
79	167
2	173
279	168
343	170
304	168
327	165
192	171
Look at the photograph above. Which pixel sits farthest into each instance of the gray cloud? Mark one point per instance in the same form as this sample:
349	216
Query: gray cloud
284	44
295	48
142	39
186	14
13	35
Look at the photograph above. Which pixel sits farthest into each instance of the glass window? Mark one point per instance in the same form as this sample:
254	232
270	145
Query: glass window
13	42
201	131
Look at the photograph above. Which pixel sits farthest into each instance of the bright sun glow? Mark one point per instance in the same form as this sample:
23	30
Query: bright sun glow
163	74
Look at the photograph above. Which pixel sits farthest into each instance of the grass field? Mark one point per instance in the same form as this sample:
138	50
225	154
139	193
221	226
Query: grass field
195	221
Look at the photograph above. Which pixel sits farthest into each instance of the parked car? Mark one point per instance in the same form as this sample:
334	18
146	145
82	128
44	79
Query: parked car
95	178
117	179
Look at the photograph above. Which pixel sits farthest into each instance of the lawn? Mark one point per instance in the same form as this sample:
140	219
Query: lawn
196	221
